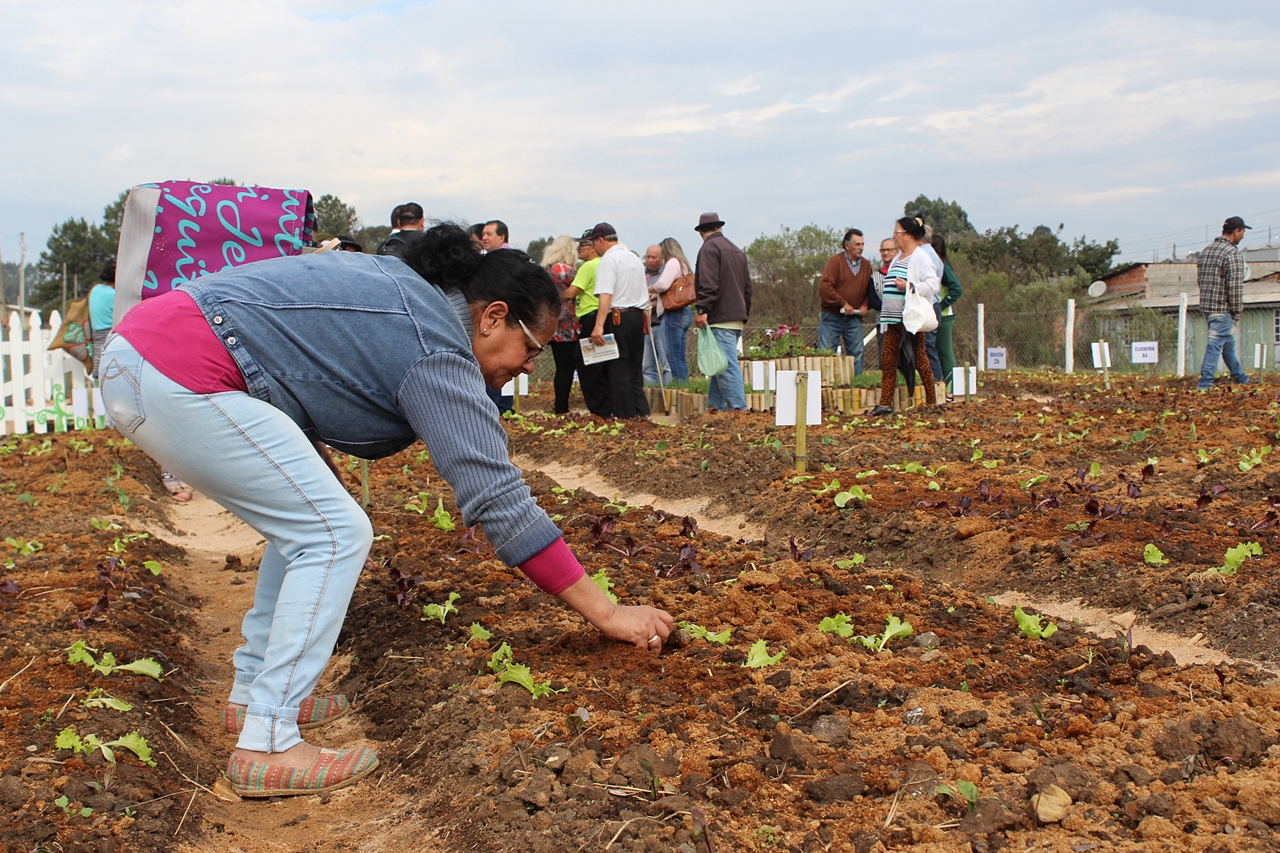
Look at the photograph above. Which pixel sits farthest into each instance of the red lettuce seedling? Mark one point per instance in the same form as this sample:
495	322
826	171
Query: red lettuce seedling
9	587
689	527
629	547
601	528
685	561
797	555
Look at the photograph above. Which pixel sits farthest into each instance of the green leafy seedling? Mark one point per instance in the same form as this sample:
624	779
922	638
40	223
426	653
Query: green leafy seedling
855	560
441	517
22	547
79	652
840	625
1029	625
501	658
419	504
518	673
601	579
98	698
833	486
894	628
966	791
1153	556
1034	481
759	656
438	611
153	567
478	632
700	633
1236	557
1251	459
852	493
134	742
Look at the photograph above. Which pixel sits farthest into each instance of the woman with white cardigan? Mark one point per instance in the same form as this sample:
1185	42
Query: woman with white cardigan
911	269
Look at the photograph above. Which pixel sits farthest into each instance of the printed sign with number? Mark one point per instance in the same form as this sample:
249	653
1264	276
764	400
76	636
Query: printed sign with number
997	358
1146	352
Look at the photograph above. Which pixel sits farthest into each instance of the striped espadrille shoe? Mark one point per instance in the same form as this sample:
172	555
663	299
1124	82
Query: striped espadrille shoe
315	711
335	768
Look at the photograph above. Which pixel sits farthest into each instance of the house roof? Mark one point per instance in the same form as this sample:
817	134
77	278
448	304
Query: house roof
1263	292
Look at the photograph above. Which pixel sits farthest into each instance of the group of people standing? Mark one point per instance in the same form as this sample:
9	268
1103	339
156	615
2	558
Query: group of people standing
913	259
614	292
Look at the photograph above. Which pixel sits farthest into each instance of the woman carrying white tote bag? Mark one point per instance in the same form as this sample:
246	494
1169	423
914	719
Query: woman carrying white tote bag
910	284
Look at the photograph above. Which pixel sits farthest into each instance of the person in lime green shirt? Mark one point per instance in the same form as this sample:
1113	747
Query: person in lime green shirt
595	391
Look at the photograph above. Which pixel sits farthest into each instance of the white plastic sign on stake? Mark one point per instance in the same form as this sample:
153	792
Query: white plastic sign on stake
957	382
773	376
997	358
784	408
757	375
521	382
973	381
1259	357
1100	352
1146	352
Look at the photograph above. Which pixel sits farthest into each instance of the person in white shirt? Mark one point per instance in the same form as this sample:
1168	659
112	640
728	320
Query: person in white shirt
624	299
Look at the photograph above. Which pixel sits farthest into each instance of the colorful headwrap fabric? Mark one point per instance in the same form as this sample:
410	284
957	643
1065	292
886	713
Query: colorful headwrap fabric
176	231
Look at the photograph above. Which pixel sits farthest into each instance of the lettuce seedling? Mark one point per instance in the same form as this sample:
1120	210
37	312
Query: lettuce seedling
419	504
759	656
1253	458
966	791
98	698
855	560
500	659
840	625
441	517
601	579
437	611
518	673
833	486
478	632
1029	625
134	742
893	629
79	652
1153	556
917	468
1236	557
700	633
852	493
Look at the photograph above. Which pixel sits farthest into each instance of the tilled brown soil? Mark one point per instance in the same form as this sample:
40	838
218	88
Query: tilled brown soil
964	735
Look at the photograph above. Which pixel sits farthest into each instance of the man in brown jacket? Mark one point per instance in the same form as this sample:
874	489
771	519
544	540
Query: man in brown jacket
723	284
843	294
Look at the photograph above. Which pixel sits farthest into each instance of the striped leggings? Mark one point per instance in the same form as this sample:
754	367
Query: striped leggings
889	366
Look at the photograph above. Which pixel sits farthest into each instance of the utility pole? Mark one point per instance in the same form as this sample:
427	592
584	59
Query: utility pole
4	294
64	290
22	277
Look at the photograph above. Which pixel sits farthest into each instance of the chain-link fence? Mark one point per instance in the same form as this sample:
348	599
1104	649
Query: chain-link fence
1031	338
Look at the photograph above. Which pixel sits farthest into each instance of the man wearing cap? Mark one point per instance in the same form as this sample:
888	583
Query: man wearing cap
624	299
405	219
723	285
1220	273
842	292
591	379
347	243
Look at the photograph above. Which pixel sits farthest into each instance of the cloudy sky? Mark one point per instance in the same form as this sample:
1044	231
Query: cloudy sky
1148	122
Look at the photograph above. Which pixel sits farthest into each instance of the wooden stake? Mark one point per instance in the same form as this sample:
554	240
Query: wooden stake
1106	374
802	417
364	483
968	391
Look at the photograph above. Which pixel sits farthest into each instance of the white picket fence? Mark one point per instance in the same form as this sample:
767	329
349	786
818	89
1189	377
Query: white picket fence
34	382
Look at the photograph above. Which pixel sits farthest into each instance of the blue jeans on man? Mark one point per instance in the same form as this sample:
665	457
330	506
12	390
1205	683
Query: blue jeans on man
1222	342
845	330
726	391
675	330
656	340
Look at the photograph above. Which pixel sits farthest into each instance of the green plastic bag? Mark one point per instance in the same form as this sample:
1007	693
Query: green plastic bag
711	359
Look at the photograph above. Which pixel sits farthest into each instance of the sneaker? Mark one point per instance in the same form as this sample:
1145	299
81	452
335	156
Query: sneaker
335	768
880	411
314	712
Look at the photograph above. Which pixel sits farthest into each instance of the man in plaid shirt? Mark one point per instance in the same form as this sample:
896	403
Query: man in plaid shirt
1220	272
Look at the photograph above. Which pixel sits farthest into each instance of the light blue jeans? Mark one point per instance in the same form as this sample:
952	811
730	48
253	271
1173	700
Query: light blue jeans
843	329
253	460
726	391
650	368
675	328
1222	342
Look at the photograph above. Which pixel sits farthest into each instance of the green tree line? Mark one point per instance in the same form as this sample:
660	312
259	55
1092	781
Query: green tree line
1004	267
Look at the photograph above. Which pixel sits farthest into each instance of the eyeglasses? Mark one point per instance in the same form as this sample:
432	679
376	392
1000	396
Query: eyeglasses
538	348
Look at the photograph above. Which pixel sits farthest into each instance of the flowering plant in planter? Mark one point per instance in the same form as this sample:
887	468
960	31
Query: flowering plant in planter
783	342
